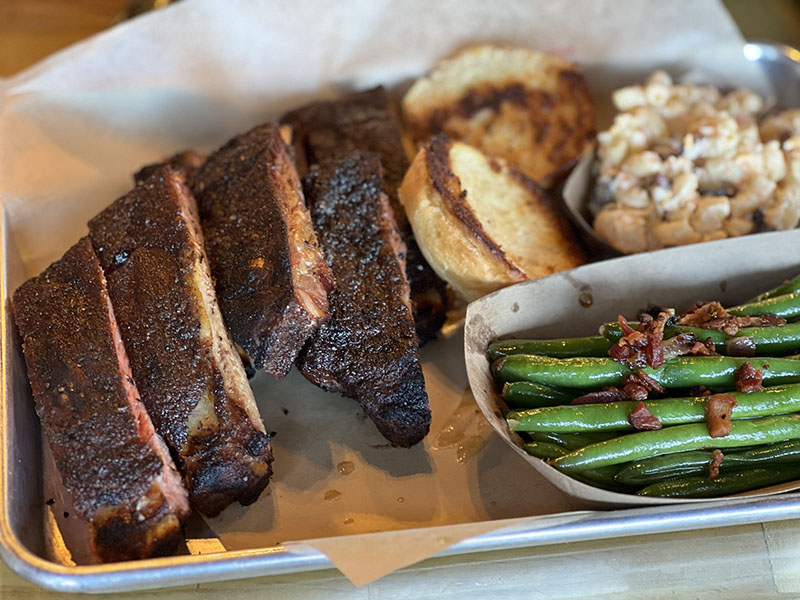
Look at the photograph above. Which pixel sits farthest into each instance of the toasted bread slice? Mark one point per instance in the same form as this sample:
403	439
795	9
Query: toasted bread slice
530	108
481	225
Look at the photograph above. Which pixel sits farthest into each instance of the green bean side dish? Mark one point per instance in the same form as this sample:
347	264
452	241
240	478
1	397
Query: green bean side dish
571	400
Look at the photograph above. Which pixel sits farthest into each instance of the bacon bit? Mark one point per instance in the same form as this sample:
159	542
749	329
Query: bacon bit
610	394
748	379
719	408
642	346
642	419
712	315
716	461
623	324
702	313
644	380
634	391
706	348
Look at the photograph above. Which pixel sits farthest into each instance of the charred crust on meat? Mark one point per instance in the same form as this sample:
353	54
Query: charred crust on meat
189	375
367	350
271	280
368	121
103	444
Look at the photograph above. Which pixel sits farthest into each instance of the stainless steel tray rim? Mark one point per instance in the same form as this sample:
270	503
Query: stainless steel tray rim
276	560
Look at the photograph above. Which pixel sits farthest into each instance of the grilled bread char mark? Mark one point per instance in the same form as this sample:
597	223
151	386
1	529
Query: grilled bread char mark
271	278
367	350
122	480
530	108
367	121
189	375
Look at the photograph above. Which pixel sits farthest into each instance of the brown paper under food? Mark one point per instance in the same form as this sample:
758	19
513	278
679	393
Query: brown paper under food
577	302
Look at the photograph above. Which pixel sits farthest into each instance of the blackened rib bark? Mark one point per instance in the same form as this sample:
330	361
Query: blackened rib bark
117	469
189	376
367	121
271	279
367	349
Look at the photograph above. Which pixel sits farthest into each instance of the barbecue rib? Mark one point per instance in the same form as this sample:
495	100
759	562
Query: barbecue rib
189	376
367	350
272	281
122	480
367	121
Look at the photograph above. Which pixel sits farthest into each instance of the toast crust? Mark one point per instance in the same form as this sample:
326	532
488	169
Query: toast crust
529	108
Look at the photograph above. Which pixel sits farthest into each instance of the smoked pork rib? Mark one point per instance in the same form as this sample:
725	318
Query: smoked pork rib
367	121
367	349
271	279
189	375
117	469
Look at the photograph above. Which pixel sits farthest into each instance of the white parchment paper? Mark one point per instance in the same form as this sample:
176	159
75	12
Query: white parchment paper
74	127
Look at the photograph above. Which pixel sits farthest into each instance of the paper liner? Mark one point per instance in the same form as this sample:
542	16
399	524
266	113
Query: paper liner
729	270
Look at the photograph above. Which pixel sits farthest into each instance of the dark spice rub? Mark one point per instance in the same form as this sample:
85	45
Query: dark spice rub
116	468
367	121
189	375
367	350
271	279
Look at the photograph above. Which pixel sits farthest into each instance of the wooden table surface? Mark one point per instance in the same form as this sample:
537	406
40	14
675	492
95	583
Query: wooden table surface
753	561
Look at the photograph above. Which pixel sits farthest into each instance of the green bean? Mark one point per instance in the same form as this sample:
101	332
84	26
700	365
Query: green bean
649	470
559	348
784	452
787	287
786	306
571	441
544	450
724	485
767	340
681	371
527	394
613	332
644	444
670	411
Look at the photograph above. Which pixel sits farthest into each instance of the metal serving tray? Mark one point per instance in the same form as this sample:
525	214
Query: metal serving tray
22	527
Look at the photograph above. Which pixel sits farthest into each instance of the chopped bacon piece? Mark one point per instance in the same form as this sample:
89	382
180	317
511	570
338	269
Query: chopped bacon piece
748	379
716	461
610	394
642	346
706	348
712	315
644	380
701	313
635	391
719	408
642	419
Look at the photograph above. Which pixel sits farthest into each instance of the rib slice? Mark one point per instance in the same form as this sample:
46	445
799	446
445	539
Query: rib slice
271	279
117	469
189	376
367	121
367	349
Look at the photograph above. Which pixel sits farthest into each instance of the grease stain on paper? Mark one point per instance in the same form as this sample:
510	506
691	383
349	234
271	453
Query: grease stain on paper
465	429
